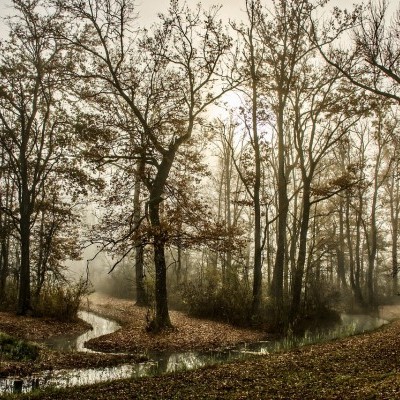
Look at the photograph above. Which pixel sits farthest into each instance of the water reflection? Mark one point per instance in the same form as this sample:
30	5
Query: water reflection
75	377
173	362
100	326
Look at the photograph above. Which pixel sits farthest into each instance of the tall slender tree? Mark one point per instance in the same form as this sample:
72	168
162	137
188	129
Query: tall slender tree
252	62
32	131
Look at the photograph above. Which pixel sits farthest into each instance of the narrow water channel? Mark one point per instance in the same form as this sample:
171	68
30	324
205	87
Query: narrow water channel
100	326
170	362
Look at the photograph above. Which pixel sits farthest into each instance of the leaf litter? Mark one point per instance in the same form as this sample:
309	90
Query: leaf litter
360	367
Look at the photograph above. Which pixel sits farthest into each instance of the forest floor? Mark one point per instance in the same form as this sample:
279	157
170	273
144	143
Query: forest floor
132	339
188	333
366	366
37	329
360	367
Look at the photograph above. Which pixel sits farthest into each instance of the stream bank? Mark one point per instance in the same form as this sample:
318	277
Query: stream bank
365	366
170	361
167	362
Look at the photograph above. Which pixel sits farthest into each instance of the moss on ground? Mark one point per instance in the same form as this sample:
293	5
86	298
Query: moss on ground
15	349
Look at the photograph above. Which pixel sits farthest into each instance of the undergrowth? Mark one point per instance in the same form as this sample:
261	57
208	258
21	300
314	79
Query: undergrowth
229	301
60	301
17	349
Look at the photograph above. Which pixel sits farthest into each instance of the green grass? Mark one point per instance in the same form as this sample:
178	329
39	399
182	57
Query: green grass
16	349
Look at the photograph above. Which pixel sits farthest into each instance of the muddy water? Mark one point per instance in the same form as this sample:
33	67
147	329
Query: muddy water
170	362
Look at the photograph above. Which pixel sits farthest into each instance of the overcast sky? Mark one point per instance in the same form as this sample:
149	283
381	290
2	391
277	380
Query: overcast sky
230	8
233	9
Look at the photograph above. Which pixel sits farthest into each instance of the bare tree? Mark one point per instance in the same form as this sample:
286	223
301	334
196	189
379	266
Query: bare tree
32	125
252	62
286	44
323	116
166	78
373	61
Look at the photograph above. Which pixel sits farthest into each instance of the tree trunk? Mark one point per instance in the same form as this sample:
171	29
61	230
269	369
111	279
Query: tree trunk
162	319
178	265
395	268
290	264
40	264
24	292
5	231
228	212
141	296
341	270
4	255
371	258
268	246
354	275
4	259
394	196
283	205
373	232
257	269
297	282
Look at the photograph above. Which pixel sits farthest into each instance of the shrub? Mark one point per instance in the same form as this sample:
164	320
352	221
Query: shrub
208	298
60	301
16	349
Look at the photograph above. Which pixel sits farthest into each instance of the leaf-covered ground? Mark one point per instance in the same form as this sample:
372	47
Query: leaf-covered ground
37	329
188	333
360	367
30	328
132	338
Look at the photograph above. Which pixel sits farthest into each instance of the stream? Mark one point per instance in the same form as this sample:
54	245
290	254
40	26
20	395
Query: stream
100	326
164	362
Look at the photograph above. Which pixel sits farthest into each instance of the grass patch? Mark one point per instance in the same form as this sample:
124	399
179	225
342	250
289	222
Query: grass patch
16	349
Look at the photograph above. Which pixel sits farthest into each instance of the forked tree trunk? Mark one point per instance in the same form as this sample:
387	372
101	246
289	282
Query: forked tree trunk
354	274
